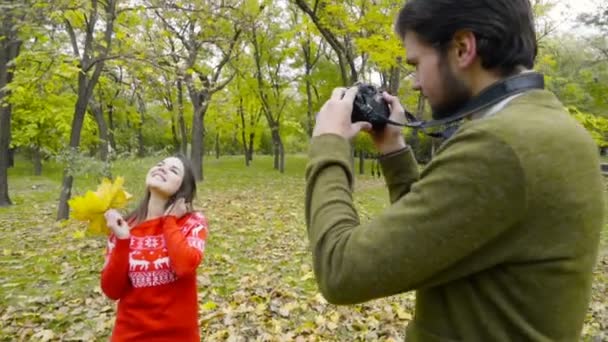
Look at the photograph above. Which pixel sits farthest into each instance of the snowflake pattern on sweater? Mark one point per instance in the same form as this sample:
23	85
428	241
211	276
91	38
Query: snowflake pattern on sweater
149	261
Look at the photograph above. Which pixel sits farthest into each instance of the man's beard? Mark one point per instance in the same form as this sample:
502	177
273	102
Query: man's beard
456	93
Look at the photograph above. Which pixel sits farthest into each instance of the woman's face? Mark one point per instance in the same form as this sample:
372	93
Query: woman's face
166	177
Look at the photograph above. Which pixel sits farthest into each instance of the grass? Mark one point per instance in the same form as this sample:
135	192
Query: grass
256	282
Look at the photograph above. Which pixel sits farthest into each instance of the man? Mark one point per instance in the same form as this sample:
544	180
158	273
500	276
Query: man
499	233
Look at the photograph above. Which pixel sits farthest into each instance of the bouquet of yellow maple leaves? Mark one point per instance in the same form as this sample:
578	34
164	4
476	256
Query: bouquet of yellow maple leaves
93	204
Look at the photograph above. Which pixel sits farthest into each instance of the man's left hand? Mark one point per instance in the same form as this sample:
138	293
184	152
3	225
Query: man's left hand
334	116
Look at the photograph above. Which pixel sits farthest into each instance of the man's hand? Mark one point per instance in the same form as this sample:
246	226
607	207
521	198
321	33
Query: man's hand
390	139
334	116
117	224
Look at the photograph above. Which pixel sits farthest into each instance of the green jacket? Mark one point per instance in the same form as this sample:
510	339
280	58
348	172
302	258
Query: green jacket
498	234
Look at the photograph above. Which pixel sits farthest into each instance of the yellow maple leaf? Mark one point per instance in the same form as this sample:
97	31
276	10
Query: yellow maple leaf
92	205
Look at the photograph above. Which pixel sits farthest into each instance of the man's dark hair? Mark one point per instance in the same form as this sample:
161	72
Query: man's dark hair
504	29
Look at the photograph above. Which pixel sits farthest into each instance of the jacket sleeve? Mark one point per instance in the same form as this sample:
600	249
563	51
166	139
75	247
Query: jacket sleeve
115	274
465	198
186	250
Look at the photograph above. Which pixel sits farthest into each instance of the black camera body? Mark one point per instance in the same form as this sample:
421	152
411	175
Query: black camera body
370	106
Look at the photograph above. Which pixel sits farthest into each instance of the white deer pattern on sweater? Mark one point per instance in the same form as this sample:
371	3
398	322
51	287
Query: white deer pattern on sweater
149	261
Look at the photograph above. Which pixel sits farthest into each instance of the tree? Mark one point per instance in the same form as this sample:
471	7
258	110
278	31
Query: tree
271	43
92	55
208	47
312	48
242	95
575	72
546	25
331	20
598	18
9	50
103	101
596	126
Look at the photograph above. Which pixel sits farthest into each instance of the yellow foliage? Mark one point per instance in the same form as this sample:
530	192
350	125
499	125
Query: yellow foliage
92	205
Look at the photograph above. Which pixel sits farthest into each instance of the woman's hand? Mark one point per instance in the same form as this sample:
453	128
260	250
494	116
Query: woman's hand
117	224
178	209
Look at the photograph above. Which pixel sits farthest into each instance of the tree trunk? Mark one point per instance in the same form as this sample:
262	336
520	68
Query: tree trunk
180	117
281	157
361	162
104	140
250	148
63	210
129	128
111	139
308	71
375	170
310	118
217	146
9	50
168	102
176	143
275	154
11	157
279	152
198	134
5	131
241	112
395	78
141	149
37	160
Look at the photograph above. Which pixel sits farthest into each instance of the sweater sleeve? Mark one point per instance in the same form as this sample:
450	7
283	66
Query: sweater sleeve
400	171
186	251
470	193
115	274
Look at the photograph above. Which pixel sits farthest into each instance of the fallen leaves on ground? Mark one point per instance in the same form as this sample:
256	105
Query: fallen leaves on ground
255	284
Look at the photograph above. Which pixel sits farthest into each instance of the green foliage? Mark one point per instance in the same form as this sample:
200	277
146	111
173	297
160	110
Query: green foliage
80	164
43	104
137	90
571	76
380	41
596	125
156	130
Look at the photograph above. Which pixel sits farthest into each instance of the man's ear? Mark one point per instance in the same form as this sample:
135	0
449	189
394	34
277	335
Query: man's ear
465	48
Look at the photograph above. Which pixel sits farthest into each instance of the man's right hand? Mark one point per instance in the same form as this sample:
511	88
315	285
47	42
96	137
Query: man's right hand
391	138
117	224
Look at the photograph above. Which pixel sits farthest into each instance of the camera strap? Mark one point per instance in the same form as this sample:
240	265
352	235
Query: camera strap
491	96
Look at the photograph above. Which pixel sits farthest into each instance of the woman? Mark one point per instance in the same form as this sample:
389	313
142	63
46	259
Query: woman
152	257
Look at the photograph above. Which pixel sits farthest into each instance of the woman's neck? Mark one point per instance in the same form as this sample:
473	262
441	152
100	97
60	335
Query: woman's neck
156	206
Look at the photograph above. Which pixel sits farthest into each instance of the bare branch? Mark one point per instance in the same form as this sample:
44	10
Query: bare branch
227	55
222	85
111	16
72	35
179	35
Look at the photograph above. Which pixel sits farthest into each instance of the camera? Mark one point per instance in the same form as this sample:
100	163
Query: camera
370	106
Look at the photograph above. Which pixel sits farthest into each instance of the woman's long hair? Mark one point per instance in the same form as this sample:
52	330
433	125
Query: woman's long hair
187	191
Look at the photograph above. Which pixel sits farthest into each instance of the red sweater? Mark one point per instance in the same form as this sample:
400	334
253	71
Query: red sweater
153	275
